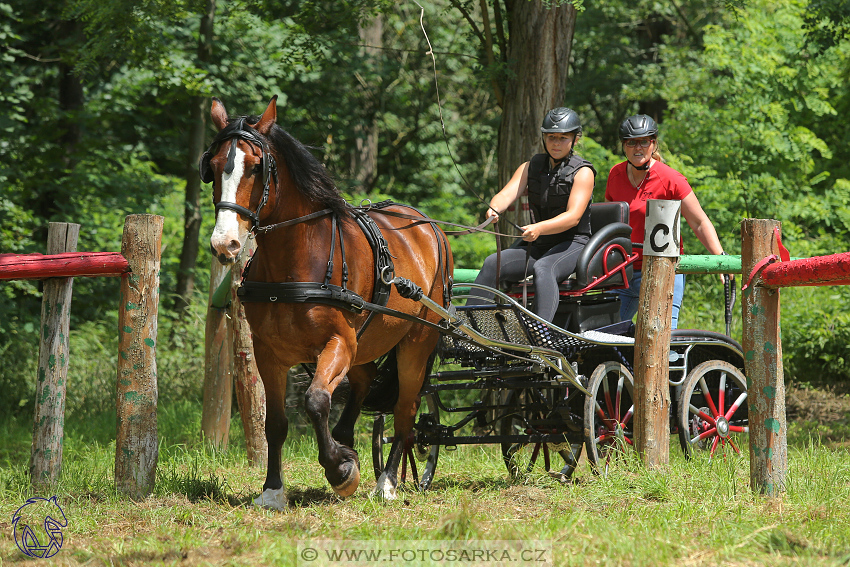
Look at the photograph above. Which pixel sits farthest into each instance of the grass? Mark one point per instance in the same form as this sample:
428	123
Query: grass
691	513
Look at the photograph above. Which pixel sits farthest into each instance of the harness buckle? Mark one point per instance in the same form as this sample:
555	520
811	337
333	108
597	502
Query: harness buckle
384	271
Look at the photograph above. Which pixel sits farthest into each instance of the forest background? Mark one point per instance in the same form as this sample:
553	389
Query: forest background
103	102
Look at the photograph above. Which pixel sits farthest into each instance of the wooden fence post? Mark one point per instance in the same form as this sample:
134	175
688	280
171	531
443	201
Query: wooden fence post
763	364
652	333
218	365
53	352
136	445
250	393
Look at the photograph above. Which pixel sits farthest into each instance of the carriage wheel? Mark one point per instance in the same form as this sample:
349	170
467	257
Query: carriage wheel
521	458
382	434
608	412
712	411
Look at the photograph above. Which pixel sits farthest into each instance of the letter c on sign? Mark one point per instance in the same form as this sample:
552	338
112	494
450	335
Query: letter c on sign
665	230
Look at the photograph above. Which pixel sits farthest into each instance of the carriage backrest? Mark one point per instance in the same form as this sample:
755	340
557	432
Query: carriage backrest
602	214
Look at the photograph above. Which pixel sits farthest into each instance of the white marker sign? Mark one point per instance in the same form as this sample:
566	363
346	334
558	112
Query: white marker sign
662	236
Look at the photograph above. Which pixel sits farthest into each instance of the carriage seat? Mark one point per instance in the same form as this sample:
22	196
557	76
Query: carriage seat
609	225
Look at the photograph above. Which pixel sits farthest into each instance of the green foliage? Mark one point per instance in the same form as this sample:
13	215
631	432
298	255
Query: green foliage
750	98
816	336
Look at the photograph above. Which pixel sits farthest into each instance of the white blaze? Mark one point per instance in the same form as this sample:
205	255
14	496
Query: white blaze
226	220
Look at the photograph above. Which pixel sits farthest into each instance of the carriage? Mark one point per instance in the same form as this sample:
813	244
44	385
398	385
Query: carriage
545	408
381	305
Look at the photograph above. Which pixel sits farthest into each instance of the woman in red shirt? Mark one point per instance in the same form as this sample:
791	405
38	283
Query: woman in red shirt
644	176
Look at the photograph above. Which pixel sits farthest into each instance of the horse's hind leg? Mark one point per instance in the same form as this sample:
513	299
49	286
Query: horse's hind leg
277	426
359	379
412	365
341	464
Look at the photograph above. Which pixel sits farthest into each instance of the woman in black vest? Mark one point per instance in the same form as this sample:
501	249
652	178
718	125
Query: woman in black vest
559	186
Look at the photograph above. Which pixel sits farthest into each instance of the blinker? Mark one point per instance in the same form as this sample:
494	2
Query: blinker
231	157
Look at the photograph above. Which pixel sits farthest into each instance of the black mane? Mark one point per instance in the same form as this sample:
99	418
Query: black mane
311	178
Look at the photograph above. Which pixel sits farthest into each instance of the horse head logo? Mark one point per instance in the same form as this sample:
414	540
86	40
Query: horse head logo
49	514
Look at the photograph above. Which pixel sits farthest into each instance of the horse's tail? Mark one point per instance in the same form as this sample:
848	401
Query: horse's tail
383	394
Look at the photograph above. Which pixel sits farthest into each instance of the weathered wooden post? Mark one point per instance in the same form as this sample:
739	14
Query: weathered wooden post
250	393
53	352
218	360
136	445
661	251
763	364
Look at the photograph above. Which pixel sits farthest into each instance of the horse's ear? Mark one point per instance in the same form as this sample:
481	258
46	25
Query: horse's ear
268	118
219	114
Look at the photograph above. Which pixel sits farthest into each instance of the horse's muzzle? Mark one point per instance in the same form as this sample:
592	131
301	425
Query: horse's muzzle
221	257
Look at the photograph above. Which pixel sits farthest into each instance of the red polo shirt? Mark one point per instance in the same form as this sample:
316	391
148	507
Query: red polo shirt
662	182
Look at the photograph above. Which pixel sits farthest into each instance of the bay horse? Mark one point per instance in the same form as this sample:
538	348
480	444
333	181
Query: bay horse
314	263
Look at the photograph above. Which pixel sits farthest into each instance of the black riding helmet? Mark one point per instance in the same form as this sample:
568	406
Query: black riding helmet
560	120
638	126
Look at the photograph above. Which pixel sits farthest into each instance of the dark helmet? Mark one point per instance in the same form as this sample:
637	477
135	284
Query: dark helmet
561	119
638	126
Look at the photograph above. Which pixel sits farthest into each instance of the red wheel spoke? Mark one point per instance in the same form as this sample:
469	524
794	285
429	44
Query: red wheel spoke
533	458
713	447
704	434
628	441
735	406
734	446
721	394
608	403
696	411
413	470
628	416
707	394
404	456
619	397
739	429
600	413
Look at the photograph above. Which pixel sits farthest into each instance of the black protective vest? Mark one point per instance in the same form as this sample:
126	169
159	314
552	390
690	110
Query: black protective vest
549	192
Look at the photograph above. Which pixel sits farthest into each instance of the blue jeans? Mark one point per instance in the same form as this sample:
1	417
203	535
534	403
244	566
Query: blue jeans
629	298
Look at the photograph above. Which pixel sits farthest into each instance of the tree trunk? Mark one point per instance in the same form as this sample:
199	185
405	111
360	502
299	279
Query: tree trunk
539	51
192	218
364	159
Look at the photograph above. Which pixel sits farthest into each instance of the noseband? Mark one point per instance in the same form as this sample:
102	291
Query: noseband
234	131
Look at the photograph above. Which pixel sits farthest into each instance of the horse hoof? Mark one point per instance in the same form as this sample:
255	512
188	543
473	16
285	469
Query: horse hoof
350	484
272	498
385	488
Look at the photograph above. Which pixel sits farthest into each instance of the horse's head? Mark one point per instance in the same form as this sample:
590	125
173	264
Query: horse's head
242	169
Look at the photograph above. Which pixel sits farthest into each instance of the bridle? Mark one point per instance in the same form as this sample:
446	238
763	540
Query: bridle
233	132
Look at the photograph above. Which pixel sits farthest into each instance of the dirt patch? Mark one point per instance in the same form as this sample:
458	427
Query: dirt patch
823	406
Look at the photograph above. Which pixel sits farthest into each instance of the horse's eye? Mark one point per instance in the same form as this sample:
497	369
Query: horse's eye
257	169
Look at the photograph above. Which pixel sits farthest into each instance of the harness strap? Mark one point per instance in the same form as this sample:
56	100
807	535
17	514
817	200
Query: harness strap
342	250
313	292
330	270
300	292
290	222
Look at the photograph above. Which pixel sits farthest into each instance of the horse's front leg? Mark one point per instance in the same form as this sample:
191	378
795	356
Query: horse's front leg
277	426
341	464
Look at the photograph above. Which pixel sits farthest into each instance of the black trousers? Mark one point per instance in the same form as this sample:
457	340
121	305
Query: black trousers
549	267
